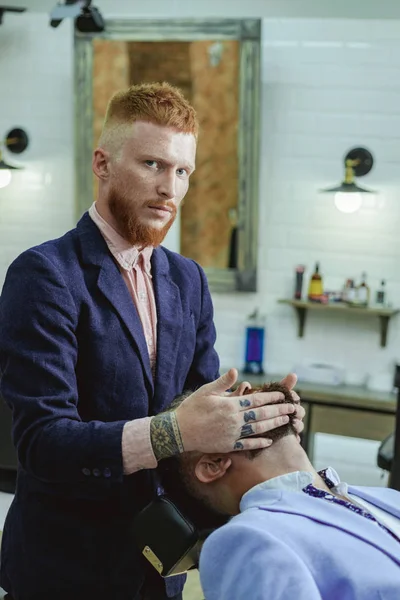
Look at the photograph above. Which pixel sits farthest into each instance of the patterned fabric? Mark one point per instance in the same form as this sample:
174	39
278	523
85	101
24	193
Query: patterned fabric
317	493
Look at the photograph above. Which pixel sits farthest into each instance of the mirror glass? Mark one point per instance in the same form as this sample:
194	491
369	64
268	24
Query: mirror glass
218	73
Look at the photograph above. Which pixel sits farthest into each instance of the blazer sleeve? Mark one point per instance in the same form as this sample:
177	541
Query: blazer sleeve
205	364
238	562
38	356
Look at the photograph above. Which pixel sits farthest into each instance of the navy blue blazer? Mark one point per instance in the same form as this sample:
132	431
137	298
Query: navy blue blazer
74	369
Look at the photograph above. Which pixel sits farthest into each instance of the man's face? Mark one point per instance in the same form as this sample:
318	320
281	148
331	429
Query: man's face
149	180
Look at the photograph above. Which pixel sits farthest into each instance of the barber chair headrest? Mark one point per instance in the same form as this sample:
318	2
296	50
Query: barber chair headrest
167	539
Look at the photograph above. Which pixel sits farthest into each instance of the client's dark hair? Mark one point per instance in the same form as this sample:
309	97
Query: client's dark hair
283	430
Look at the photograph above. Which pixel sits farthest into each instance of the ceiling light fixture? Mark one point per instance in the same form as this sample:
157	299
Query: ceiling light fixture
87	18
4	9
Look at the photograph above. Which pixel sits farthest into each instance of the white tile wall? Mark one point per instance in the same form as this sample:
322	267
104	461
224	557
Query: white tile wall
36	93
327	86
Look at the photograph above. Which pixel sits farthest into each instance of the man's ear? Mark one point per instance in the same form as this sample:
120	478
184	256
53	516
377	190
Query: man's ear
211	467
241	389
100	163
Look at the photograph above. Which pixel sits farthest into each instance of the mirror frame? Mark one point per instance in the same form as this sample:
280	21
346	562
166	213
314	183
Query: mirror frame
248	33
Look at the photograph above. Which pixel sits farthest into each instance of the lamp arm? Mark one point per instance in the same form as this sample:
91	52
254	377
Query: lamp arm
349	171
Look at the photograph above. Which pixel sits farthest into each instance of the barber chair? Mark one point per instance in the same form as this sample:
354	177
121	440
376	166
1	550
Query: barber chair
389	452
8	454
167	538
171	530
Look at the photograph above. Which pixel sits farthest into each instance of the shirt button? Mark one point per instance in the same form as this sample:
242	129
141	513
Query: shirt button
96	472
86	472
107	472
142	296
150	342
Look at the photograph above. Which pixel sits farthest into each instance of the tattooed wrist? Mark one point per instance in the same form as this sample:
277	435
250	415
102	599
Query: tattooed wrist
165	435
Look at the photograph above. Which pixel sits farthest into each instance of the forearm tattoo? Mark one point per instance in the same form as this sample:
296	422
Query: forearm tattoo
165	435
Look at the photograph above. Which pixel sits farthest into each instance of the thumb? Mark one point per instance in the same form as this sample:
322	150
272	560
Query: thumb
289	381
223	383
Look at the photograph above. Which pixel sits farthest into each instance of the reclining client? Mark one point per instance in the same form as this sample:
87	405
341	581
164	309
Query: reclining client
295	533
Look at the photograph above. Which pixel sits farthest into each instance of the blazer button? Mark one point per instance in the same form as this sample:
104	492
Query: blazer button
86	472
107	472
96	472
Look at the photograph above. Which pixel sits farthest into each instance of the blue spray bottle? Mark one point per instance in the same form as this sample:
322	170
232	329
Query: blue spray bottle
255	337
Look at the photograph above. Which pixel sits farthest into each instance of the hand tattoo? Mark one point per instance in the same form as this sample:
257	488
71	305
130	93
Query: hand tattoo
238	446
165	435
244	403
246	430
249	416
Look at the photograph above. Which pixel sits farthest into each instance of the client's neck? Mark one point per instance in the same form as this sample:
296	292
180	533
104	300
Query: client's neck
286	456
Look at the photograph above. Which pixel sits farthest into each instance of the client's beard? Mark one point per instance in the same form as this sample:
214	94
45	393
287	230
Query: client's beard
129	225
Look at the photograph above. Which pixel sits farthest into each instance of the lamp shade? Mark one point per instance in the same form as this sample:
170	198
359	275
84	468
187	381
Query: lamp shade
348	188
6	167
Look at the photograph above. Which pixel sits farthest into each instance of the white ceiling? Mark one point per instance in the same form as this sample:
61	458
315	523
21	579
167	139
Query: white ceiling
370	9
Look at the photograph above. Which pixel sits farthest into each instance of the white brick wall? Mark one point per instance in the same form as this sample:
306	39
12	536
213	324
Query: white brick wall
36	93
328	86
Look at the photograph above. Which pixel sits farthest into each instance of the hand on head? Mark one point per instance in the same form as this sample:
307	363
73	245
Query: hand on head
214	419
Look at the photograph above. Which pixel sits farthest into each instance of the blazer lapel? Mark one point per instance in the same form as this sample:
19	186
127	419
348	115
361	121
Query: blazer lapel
169	327
110	282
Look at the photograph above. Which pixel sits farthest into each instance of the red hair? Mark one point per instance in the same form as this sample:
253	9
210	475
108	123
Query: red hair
159	103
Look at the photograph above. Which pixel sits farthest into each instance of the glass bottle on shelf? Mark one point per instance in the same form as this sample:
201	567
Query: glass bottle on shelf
255	338
363	291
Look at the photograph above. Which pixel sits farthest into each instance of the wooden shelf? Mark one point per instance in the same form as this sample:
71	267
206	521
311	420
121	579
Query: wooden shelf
302	307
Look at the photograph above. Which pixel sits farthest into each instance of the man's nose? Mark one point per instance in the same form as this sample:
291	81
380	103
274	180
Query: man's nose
167	186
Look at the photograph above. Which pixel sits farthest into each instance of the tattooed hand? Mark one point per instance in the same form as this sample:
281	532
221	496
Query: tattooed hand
213	419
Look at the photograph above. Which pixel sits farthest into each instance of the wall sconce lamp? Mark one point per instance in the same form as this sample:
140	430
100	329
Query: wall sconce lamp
348	195
16	142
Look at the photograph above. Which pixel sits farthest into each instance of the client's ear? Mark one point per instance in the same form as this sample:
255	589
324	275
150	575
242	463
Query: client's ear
211	467
242	388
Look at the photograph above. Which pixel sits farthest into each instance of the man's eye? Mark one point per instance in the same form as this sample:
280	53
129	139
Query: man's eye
181	172
151	163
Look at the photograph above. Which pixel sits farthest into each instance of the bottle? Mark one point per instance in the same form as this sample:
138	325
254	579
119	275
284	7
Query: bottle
381	294
363	291
255	336
315	288
298	292
351	292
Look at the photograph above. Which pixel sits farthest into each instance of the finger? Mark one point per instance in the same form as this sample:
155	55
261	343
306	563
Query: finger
289	381
260	427
260	399
223	383
298	425
300	412
295	396
252	444
266	412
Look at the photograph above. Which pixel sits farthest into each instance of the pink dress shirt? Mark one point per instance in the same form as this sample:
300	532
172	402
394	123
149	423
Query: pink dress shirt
135	267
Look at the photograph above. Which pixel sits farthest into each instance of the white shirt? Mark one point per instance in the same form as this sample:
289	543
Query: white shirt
298	480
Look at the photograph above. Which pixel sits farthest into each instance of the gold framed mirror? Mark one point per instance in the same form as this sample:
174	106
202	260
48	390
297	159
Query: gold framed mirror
217	64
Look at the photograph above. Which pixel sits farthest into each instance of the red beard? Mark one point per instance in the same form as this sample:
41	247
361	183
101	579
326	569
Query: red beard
129	225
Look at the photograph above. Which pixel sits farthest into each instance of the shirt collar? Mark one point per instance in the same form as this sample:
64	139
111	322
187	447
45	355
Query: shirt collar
124	253
262	493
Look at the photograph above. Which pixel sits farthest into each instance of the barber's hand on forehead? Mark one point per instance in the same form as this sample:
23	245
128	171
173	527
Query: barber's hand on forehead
289	382
212	419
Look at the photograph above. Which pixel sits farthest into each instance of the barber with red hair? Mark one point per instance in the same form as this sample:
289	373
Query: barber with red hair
99	331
